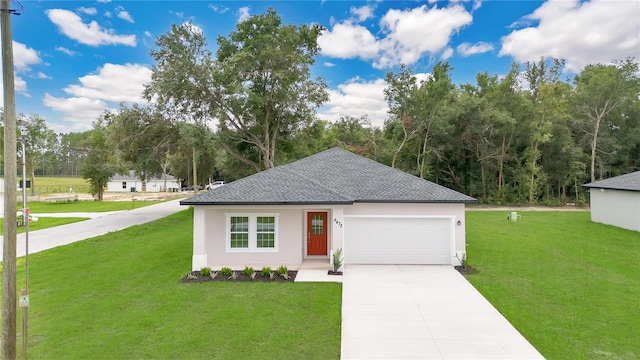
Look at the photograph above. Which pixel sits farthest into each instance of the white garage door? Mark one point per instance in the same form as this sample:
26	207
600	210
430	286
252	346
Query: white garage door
393	240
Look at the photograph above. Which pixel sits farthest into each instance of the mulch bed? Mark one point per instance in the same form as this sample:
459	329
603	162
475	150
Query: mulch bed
468	270
331	272
241	278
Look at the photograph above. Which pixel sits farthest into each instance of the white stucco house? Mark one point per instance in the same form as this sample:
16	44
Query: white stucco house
331	200
616	201
121	182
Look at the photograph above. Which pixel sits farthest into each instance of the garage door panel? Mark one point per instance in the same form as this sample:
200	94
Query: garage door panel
397	240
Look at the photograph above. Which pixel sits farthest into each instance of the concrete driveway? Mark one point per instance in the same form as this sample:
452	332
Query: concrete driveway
422	312
45	239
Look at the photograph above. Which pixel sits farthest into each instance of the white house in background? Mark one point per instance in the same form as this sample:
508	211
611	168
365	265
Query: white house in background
332	200
121	182
616	201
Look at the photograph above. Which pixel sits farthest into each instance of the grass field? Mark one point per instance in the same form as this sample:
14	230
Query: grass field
87	206
118	296
55	185
570	286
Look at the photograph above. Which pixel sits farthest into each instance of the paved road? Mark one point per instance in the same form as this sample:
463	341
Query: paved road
45	239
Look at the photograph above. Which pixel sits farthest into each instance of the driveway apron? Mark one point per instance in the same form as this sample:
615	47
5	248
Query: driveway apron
422	312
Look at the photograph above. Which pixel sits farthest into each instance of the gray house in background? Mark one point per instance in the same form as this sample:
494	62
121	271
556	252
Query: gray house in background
616	201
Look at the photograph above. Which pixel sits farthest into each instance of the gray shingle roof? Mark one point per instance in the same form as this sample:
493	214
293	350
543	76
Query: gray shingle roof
630	182
334	176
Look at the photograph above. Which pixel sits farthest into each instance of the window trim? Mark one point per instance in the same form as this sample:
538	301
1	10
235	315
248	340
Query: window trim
253	232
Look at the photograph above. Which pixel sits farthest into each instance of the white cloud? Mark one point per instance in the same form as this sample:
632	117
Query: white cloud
147	33
88	11
407	35
355	98
104	1
477	4
347	40
243	14
41	75
218	9
467	49
412	33
71	25
113	83
24	56
358	97
110	84
577	32
123	14
447	53
66	51
80	112
329	64
194	29
363	13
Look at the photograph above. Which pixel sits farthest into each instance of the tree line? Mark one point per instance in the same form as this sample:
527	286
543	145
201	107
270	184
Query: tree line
525	137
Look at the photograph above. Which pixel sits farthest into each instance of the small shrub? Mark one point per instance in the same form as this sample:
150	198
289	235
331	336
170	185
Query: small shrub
226	271
253	275
265	271
213	274
191	276
337	259
282	270
272	275
285	276
248	271
205	271
463	260
234	275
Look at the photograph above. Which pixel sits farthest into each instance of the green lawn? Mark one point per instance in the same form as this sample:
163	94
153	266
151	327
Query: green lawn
43	223
53	185
86	206
570	286
118	296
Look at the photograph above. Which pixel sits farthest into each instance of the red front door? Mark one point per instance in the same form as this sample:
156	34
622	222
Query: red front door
317	233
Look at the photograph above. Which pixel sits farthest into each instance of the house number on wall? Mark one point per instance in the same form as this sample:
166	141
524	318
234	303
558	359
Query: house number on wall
337	222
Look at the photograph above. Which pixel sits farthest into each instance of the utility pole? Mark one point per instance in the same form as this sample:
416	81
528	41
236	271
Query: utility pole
9	295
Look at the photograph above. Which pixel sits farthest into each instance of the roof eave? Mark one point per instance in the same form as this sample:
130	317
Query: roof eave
470	201
607	188
226	203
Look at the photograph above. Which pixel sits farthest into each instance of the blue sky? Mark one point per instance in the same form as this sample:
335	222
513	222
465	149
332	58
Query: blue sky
76	59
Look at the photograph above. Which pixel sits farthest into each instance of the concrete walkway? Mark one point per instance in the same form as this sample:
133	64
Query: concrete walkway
45	239
422	312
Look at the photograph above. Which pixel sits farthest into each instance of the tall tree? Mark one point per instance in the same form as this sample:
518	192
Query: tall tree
39	139
258	85
99	163
600	92
144	139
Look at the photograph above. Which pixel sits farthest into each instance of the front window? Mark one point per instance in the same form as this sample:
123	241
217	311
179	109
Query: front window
239	232
252	232
124	184
265	232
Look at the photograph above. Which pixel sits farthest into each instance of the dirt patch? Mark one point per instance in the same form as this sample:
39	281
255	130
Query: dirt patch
466	270
195	277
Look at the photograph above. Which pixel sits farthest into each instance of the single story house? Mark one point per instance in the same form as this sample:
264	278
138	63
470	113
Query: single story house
128	182
331	200
616	201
